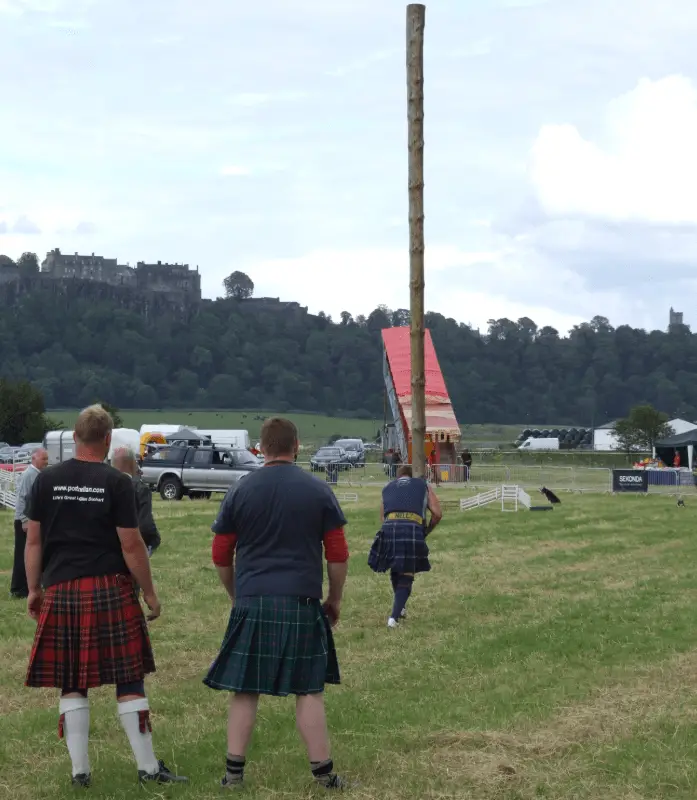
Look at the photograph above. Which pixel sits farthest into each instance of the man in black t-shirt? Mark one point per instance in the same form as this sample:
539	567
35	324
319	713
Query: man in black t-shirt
83	553
268	542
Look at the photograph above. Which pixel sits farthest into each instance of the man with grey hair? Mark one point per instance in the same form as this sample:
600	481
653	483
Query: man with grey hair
39	461
124	460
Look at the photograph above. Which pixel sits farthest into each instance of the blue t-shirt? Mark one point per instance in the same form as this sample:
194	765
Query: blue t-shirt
280	515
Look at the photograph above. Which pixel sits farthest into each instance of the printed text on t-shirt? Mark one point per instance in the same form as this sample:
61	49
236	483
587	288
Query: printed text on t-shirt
82	494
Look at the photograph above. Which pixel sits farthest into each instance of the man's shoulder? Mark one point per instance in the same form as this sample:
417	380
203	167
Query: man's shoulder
291	475
315	488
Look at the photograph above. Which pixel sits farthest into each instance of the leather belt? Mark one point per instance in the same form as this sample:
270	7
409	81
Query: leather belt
404	516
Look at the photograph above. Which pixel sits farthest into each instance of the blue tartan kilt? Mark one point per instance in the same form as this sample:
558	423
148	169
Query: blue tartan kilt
399	546
276	645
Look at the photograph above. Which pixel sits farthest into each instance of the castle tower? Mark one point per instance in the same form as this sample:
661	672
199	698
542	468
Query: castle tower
675	319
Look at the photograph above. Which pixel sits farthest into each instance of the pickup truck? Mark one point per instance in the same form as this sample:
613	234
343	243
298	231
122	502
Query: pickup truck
196	472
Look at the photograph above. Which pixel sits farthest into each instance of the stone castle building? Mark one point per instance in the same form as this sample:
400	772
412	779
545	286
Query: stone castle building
675	318
175	280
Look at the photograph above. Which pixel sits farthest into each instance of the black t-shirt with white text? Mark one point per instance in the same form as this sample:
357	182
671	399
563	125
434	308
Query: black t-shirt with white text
79	505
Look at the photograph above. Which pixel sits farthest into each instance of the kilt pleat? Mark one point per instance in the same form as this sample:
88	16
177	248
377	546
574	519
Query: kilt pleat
400	547
275	645
91	632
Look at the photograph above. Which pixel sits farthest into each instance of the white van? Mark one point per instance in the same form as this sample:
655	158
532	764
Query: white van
547	443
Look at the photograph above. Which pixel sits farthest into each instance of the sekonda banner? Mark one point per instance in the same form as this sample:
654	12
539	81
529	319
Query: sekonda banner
630	480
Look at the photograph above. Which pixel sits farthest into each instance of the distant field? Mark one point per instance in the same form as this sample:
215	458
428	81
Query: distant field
314	429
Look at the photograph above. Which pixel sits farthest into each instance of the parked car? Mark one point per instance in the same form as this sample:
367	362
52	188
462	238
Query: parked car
196	472
355	450
326	456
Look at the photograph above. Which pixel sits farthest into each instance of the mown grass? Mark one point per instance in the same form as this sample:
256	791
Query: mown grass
547	655
314	429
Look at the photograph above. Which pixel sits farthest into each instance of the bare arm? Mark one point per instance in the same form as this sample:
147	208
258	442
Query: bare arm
227	578
32	556
435	509
336	573
135	555
224	559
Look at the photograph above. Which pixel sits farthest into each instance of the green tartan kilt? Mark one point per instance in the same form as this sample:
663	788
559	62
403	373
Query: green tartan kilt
275	645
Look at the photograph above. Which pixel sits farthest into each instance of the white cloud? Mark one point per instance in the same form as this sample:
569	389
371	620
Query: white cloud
138	146
644	167
470	286
234	170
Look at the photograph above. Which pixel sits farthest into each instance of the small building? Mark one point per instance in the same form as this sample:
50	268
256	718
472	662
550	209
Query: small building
604	437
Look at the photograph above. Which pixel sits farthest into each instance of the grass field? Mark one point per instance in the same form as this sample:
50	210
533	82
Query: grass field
314	429
546	656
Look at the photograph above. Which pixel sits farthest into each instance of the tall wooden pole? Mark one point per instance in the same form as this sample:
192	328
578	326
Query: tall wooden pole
416	21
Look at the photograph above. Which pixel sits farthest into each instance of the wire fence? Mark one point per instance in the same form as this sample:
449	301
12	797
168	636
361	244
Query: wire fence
562	479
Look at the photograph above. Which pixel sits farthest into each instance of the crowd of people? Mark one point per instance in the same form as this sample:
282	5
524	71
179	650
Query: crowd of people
84	534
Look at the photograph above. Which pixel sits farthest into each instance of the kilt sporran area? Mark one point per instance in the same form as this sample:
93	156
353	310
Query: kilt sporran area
91	632
277	646
399	547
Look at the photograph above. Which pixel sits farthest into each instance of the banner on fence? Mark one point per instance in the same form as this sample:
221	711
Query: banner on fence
630	480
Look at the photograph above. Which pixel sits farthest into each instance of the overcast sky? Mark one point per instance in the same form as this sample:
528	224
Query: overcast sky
270	137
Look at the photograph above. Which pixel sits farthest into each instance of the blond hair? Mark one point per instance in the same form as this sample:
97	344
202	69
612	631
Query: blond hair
93	425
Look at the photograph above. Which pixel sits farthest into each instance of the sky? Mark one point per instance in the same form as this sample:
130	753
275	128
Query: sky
271	138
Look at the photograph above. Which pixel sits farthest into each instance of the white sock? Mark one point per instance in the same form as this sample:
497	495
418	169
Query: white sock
141	742
76	731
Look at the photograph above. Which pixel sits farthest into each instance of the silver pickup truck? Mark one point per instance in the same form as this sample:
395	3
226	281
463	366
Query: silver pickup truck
196	472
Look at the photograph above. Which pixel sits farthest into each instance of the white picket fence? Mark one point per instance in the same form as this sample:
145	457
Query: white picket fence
8	491
511	496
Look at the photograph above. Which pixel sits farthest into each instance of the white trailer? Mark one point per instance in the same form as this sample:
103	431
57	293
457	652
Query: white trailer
227	438
60	445
165	428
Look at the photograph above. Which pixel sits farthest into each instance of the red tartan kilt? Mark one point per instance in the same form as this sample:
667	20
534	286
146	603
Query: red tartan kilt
91	632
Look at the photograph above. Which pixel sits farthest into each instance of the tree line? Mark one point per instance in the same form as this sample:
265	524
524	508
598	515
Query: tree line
235	353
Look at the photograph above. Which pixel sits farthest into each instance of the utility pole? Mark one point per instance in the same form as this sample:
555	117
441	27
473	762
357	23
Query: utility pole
416	21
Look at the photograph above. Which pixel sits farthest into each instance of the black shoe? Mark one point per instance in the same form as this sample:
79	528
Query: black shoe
82	780
335	782
163	775
228	784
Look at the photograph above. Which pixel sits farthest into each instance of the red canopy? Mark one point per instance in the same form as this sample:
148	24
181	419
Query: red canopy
398	346
440	416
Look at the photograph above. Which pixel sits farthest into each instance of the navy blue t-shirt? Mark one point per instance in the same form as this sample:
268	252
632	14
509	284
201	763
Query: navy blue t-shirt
406	495
280	515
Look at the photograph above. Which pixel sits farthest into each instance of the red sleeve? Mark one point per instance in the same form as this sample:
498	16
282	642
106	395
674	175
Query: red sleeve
224	549
335	546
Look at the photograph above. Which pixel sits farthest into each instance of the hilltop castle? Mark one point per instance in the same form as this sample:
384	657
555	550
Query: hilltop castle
175	282
175	279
